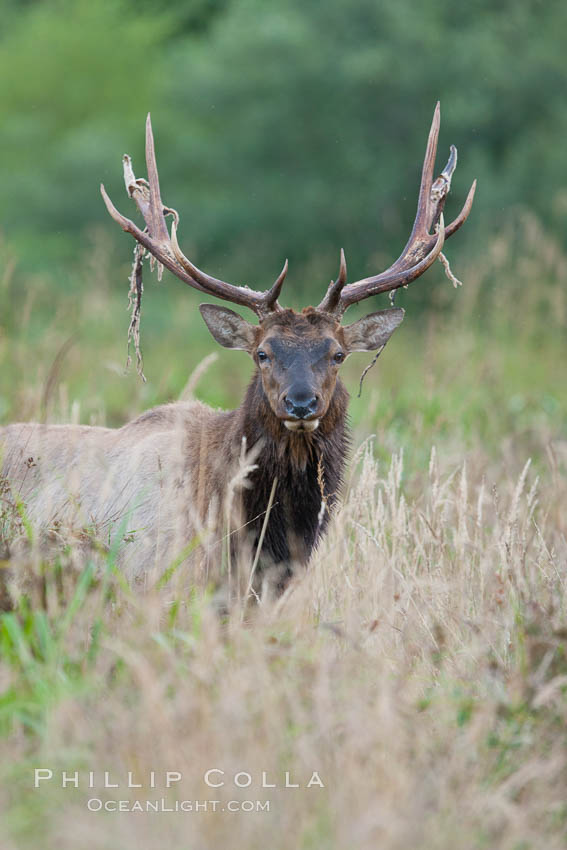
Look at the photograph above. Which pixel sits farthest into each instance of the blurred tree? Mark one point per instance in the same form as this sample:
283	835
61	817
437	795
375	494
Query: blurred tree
283	129
75	81
307	122
194	16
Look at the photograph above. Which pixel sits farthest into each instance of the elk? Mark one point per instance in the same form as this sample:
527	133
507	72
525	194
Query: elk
161	482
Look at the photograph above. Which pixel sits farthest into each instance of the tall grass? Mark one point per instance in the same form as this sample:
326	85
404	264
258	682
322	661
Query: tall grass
419	665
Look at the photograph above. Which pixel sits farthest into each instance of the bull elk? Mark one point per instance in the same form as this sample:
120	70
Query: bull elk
162	481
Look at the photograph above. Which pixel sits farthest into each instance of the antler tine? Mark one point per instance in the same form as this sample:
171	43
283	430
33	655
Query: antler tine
273	294
464	213
449	169
157	226
165	248
423	247
422	217
331	300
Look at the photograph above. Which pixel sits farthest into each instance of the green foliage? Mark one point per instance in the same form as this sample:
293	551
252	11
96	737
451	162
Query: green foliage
75	78
36	649
282	129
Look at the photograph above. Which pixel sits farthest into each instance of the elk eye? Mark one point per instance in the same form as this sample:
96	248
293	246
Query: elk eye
261	355
339	357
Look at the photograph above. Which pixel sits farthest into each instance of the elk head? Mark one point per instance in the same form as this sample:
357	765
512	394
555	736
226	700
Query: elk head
298	354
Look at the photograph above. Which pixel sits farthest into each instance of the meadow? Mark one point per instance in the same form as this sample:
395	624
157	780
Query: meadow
419	667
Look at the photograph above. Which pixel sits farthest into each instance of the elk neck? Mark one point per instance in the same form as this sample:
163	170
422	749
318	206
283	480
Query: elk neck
309	468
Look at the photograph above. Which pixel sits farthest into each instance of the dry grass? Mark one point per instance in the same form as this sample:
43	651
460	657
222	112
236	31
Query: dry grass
420	665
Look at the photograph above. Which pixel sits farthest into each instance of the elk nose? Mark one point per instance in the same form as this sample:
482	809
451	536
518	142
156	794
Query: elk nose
300	405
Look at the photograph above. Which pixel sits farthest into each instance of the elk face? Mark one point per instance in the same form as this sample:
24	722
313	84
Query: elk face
299	354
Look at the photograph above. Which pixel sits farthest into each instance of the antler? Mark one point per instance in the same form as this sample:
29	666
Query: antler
422	248
156	239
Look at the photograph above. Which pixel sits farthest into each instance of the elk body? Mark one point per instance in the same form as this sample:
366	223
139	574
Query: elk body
262	479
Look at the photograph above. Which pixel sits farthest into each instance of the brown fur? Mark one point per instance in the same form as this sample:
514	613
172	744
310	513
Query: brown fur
176	472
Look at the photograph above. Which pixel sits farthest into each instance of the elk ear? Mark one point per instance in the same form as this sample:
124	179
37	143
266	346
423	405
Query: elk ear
373	330
228	328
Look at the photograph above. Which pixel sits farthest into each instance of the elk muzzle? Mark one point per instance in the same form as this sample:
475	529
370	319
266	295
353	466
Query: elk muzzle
302	406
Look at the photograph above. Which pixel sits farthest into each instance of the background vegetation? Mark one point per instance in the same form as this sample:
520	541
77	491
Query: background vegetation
421	663
282	130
